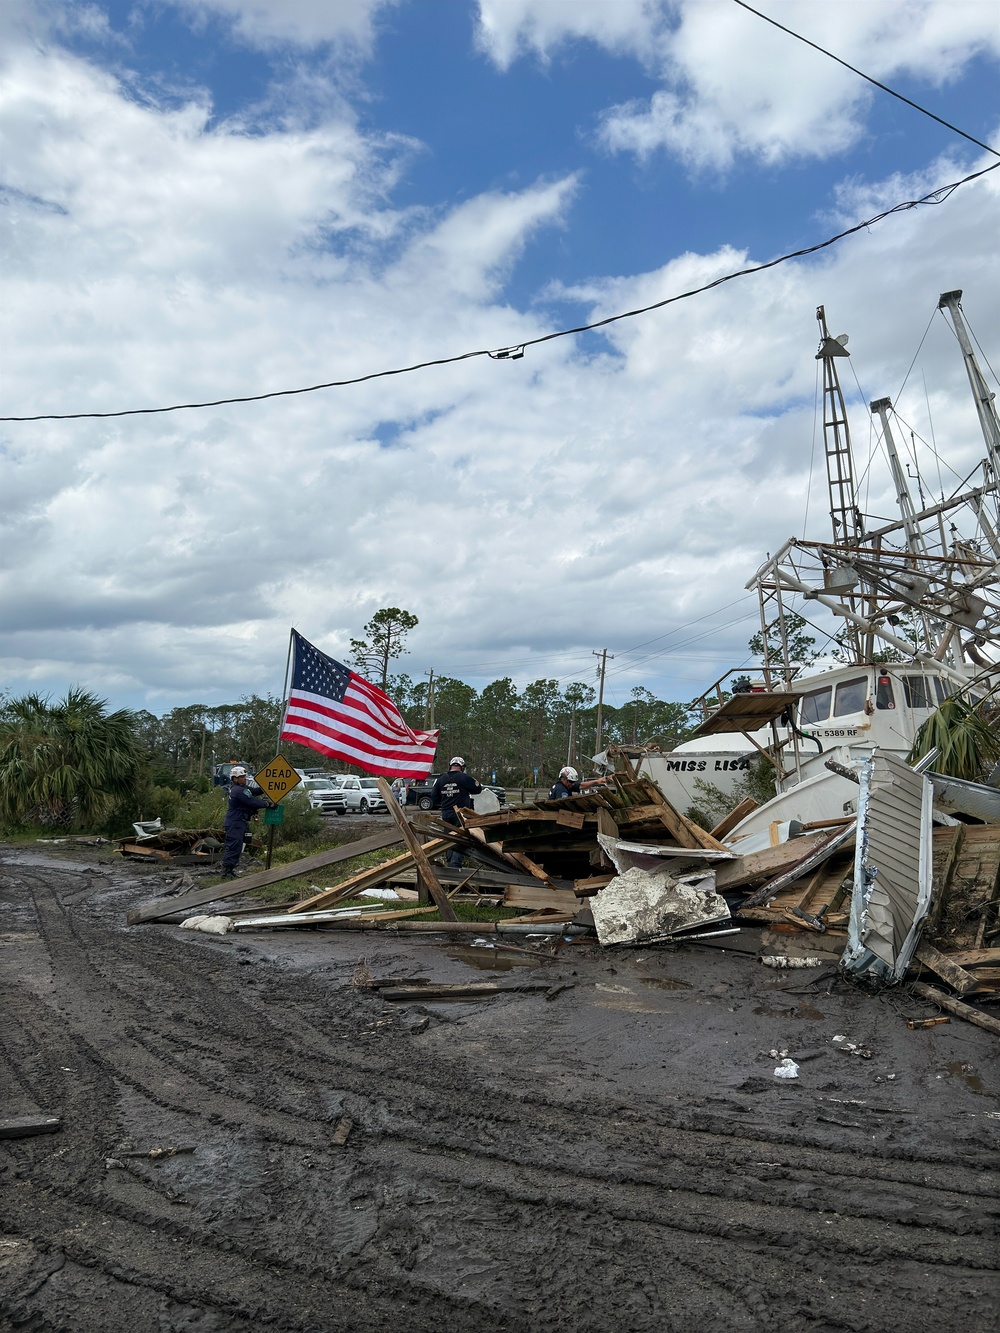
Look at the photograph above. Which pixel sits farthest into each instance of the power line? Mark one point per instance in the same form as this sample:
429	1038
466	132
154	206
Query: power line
861	74
516	351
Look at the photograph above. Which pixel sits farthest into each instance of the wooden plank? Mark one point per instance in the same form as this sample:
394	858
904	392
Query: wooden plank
364	879
957	977
829	845
592	883
541	898
230	888
526	863
756	867
340	1135
569	820
443	991
957	1007
973	957
25	1126
428	878
735	815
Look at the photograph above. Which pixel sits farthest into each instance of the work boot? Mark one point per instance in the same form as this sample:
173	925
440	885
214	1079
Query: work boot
228	874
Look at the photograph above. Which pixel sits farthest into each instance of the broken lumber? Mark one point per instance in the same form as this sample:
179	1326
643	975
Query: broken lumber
540	898
428	878
957	1007
734	817
318	861
957	978
766	864
25	1126
442	991
364	879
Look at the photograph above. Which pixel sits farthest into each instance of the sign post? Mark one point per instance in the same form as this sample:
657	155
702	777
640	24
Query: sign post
275	780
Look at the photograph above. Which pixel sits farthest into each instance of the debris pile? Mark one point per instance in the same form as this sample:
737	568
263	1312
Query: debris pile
621	862
183	846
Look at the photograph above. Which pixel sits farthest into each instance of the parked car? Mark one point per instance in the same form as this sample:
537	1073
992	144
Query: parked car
421	792
323	796
360	794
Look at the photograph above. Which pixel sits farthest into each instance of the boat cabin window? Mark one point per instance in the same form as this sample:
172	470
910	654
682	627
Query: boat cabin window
918	692
851	696
884	697
815	707
940	689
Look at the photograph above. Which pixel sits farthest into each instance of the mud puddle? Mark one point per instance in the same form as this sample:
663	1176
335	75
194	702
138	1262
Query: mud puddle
485	958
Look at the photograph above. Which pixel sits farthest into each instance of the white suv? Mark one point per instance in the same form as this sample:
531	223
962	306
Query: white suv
360	794
322	796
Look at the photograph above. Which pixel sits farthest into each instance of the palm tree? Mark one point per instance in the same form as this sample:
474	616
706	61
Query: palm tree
65	762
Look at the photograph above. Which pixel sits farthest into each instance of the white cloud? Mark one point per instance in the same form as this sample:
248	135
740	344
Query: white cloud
508	29
594	493
733	85
302	23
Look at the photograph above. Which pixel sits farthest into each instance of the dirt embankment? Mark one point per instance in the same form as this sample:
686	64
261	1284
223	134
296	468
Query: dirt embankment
620	1158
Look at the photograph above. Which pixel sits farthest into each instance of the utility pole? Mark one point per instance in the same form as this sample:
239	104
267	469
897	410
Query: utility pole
572	735
603	655
429	702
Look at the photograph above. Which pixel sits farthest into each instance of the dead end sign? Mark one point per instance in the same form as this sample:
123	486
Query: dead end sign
277	778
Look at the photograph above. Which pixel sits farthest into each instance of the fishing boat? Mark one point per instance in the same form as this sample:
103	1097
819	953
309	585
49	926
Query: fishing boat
914	604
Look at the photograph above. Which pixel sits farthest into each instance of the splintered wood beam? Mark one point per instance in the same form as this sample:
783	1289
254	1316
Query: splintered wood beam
365	879
738	813
526	863
425	870
318	861
958	1007
957	978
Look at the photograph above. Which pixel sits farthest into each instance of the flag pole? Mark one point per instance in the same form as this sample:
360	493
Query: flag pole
284	690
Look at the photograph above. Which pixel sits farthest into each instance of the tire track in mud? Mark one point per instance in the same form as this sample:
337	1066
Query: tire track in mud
468	1185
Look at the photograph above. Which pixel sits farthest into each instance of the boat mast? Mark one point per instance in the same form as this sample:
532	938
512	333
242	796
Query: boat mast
845	516
844	513
985	405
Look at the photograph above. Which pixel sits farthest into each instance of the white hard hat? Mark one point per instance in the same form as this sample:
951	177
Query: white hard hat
457	759
570	773
237	771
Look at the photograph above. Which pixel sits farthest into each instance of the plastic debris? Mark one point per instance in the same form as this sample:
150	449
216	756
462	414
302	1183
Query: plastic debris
782	960
849	1047
211	925
787	1069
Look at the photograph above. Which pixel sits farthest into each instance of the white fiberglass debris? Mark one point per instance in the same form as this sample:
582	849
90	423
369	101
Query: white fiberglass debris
851	1047
211	925
379	893
787	1069
782	960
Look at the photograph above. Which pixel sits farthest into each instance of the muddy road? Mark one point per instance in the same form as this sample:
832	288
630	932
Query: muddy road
618	1158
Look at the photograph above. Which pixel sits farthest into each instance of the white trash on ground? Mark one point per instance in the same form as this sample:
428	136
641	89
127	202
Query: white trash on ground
211	925
787	1069
782	960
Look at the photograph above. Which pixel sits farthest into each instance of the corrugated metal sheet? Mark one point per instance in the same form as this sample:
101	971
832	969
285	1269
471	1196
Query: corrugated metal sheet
892	869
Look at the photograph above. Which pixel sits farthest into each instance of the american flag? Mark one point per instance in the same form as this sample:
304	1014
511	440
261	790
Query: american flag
332	710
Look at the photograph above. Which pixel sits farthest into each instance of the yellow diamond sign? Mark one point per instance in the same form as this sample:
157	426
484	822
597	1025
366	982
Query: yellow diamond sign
277	778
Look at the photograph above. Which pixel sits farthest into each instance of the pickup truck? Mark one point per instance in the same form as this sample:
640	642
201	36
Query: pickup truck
421	792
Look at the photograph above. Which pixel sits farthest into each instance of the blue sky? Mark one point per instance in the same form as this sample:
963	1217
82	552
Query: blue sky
214	197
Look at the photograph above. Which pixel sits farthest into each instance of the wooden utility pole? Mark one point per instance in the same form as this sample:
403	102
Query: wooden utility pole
603	655
429	702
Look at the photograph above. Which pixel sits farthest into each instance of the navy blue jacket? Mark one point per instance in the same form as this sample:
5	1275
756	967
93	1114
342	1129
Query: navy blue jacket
561	789
242	805
454	791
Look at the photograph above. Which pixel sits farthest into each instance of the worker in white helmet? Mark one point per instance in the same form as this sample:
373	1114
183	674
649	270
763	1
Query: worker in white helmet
453	791
241	809
568	784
